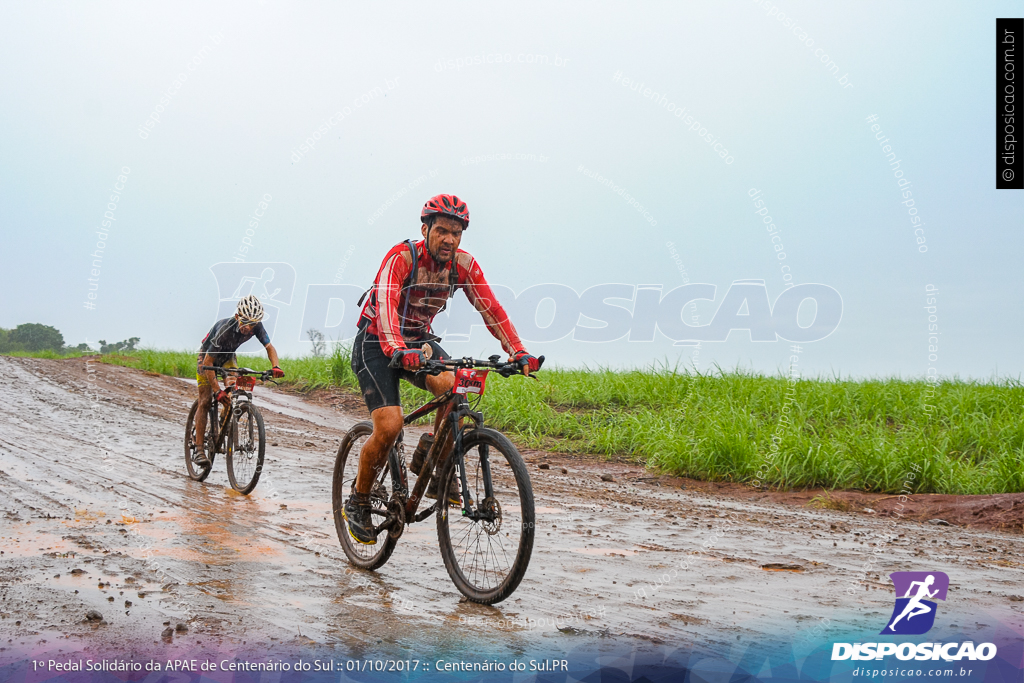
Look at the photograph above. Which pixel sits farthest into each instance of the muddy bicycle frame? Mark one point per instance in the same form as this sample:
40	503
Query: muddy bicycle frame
242	387
455	406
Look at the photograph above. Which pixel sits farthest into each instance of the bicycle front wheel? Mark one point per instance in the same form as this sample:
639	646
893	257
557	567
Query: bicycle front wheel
246	447
487	557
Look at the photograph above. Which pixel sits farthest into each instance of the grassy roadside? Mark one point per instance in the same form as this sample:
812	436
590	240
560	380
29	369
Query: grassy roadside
53	355
303	373
845	434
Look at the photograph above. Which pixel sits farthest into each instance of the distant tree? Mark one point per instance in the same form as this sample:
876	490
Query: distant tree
36	337
319	345
126	345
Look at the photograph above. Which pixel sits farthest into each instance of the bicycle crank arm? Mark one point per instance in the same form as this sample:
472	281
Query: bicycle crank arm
423	514
387	525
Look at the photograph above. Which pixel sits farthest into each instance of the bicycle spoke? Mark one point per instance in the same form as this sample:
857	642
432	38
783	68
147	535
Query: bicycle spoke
244	444
485	551
380	495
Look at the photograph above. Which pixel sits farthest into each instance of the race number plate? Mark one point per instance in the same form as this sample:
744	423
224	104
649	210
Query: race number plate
245	382
468	381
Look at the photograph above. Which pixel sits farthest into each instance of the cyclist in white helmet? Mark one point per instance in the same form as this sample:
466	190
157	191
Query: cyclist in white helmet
218	350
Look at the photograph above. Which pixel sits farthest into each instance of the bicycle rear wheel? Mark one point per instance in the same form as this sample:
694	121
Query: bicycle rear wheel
246	446
487	558
195	472
346	465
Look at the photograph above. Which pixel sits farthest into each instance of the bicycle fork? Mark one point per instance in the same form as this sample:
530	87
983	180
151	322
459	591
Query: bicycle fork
459	454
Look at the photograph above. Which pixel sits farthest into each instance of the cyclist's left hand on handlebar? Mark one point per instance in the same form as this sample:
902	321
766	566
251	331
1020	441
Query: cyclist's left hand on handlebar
527	362
277	372
410	359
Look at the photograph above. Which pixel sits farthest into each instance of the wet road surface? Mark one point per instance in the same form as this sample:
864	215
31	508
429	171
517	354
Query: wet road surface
96	513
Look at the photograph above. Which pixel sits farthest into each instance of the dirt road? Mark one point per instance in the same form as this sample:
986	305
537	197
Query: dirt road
97	514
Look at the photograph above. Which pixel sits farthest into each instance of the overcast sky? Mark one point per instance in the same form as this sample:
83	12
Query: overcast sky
408	100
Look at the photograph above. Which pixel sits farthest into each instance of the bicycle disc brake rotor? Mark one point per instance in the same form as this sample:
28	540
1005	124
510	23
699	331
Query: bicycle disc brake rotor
247	446
493	509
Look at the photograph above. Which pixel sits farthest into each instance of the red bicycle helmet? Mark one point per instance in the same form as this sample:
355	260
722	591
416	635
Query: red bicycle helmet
446	205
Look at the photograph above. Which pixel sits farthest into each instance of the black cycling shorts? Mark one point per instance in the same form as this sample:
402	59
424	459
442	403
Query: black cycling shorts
377	382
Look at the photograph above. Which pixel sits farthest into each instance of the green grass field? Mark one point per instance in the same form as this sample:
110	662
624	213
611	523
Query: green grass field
48	354
957	437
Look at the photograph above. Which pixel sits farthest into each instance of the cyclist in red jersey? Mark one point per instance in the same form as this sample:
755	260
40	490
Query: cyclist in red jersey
396	319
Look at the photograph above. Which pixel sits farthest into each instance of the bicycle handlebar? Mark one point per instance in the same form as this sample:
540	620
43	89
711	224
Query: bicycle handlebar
436	367
264	375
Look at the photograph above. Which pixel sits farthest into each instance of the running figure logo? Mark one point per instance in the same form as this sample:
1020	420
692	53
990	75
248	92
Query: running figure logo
914	613
271	283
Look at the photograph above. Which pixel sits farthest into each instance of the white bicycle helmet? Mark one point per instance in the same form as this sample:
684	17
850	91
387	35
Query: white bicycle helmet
250	310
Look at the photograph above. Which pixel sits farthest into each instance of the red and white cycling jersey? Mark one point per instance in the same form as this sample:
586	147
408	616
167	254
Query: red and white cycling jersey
387	301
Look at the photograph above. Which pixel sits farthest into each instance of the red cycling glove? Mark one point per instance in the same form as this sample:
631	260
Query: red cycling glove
223	396
411	358
527	361
277	372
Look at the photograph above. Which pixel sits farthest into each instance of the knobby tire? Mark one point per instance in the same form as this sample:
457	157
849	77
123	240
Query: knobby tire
195	472
244	467
500	447
362	556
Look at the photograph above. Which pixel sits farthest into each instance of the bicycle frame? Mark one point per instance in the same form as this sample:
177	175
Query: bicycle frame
242	376
220	427
449	439
448	442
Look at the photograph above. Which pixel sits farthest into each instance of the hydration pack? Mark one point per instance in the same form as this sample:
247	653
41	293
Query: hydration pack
453	281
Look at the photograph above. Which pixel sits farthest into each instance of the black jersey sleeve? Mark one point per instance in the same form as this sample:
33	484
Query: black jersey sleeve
260	333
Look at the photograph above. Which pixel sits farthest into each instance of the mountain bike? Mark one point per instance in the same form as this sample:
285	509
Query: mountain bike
237	432
484	509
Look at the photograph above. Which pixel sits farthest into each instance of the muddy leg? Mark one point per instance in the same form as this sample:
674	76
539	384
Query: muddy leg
387	423
205	396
